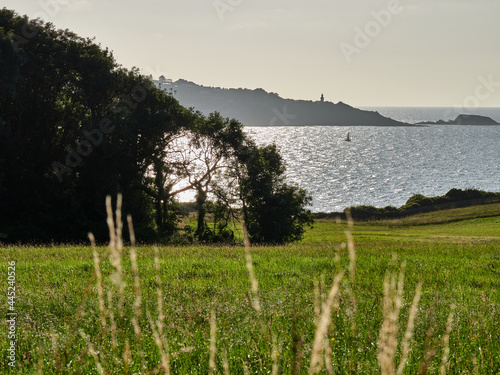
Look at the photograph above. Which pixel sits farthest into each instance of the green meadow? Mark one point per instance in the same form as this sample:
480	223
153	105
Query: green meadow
197	309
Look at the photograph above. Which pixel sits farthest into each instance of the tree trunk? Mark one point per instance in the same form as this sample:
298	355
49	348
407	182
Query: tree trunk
201	199
158	201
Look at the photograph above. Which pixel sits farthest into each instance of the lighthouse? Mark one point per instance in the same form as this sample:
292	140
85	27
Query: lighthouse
322	98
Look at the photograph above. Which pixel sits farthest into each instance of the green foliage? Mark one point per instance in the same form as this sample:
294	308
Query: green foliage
420	202
462	195
373	213
454	195
75	127
274	211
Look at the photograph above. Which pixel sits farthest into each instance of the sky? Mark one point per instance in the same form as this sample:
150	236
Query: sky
436	53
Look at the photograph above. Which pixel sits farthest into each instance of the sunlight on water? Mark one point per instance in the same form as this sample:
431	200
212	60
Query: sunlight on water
385	165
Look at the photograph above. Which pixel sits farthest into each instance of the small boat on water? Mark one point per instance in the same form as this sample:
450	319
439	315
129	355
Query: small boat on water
348	138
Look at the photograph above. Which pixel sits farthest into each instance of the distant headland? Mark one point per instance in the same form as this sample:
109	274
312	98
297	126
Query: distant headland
464	120
261	108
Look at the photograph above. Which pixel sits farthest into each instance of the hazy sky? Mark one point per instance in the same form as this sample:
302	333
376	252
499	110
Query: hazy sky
362	52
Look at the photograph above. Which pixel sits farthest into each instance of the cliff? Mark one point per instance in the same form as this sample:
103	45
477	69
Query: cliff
261	108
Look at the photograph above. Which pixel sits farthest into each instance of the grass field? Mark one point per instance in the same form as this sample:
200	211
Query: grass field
214	322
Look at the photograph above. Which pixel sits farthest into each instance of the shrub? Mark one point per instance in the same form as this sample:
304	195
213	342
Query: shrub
372	213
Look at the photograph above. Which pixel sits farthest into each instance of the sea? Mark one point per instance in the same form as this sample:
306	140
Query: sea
385	166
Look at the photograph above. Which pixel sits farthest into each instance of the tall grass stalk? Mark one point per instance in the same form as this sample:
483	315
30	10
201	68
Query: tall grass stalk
446	343
274	356
393	300
351	248
392	303
100	291
164	347
253	280
351	310
137	288
119	223
113	328
322	329
328	356
352	256
225	363
127	356
245	368
159	294
115	246
92	352
409	329
213	349
165	358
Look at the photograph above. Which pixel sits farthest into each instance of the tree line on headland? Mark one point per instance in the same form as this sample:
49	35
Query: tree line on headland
75	127
417	203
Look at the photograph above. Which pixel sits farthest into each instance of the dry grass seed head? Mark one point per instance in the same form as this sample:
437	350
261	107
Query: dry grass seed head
225	363
127	356
392	302
92	352
159	294
274	356
322	329
405	347
253	280
115	246
100	291
213	332
163	349
328	356
111	314
446	342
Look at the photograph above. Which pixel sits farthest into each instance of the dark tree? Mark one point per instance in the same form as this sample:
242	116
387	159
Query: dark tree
274	211
75	127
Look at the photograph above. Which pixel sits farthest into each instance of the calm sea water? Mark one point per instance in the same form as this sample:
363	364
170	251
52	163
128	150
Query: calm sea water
384	166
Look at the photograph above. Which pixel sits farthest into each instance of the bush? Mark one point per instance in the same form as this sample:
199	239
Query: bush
460	195
372	213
